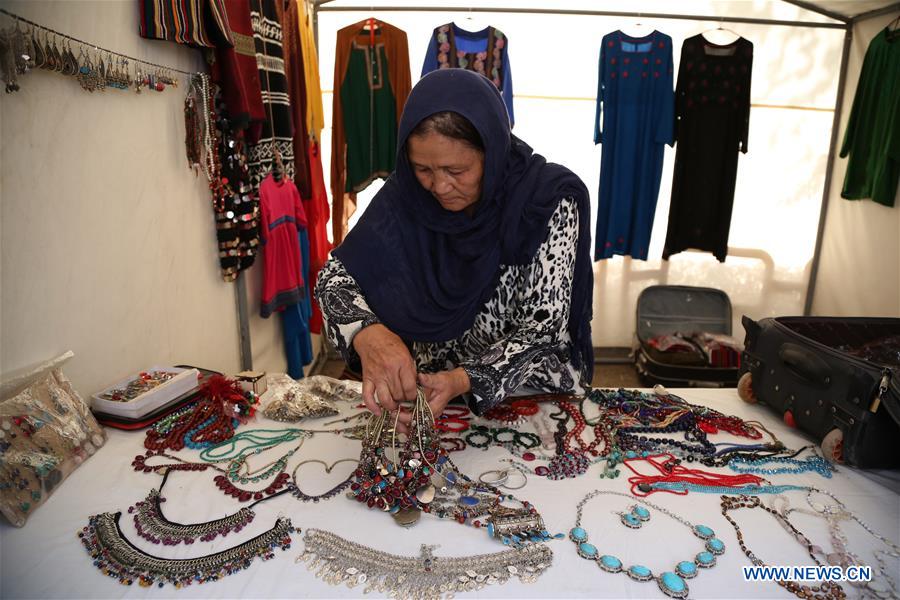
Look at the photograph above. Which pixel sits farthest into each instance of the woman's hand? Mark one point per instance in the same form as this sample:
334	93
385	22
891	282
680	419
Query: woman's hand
389	371
441	388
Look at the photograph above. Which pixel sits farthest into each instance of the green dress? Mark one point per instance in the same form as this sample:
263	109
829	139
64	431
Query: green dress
370	117
872	139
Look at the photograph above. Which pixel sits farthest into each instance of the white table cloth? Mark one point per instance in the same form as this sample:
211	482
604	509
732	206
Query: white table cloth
45	559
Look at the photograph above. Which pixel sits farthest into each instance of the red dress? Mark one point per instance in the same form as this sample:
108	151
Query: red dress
281	216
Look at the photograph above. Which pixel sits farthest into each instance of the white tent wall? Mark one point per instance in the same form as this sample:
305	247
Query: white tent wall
859	268
108	242
780	181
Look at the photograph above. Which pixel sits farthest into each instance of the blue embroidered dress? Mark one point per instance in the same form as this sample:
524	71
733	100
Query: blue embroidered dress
634	121
485	52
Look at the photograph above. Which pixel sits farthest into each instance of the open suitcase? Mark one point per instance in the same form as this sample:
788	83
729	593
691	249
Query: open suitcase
836	378
669	309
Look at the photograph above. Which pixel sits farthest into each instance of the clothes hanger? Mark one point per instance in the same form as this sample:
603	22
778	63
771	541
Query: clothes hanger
638	30
893	28
277	165
718	31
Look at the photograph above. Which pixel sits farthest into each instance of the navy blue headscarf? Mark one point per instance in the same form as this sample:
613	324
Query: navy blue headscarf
425	271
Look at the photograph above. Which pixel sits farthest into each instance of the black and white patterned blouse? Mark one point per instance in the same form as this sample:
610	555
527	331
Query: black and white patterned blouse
520	337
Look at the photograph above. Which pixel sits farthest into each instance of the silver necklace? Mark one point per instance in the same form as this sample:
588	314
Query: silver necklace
338	561
882	584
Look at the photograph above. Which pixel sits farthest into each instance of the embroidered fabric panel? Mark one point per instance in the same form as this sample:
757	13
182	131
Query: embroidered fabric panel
277	130
519	338
200	23
485	52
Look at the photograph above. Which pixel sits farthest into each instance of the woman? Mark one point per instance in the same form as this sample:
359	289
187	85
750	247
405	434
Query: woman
469	272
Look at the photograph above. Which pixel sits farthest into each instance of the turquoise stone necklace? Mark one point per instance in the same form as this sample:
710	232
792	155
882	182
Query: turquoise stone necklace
672	583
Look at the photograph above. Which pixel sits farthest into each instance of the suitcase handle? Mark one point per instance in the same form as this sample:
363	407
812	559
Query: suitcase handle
805	364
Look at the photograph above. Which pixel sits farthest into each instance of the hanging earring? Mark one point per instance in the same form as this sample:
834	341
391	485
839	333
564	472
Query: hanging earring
49	59
70	64
138	80
57	57
37	53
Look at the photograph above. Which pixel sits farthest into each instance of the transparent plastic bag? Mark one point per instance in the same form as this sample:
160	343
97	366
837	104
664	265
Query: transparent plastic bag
310	398
46	432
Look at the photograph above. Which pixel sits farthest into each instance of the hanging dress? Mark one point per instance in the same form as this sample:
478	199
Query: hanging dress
712	110
872	139
634	119
371	84
485	52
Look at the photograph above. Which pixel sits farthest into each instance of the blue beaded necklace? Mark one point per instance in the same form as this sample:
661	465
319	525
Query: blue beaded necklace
751	490
814	463
672	583
253	441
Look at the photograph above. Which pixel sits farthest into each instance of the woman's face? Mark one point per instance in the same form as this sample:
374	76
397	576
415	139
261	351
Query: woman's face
448	168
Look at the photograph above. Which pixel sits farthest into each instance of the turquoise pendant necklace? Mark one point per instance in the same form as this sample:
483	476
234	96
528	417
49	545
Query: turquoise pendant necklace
672	583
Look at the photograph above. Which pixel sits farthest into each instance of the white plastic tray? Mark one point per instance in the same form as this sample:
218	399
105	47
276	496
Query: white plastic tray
184	381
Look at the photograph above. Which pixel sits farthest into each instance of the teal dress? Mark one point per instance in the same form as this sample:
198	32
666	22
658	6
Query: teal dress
634	121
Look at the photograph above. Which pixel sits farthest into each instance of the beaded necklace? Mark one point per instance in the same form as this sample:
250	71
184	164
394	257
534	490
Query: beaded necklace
152	525
813	463
678	479
672	583
827	589
295	490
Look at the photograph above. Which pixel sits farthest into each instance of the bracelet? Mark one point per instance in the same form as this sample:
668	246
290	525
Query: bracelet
503	475
478	431
525	407
456	410
457	444
520	472
520	438
444	424
502	413
496	433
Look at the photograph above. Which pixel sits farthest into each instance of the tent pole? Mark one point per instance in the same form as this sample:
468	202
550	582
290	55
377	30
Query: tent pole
581	13
811	6
895	7
240	292
829	170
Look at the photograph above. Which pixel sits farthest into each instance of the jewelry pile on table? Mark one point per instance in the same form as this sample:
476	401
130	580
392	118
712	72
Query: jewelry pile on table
654	436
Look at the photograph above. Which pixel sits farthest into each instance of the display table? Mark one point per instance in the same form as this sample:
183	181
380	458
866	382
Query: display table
45	559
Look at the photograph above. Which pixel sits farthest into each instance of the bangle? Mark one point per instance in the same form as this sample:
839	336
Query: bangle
459	425
503	475
456	410
525	407
479	431
456	444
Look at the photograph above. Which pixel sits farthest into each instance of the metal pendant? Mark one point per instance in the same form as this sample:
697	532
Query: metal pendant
407	517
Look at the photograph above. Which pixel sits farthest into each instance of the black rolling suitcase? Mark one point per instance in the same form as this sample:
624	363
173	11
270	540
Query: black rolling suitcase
671	309
836	378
